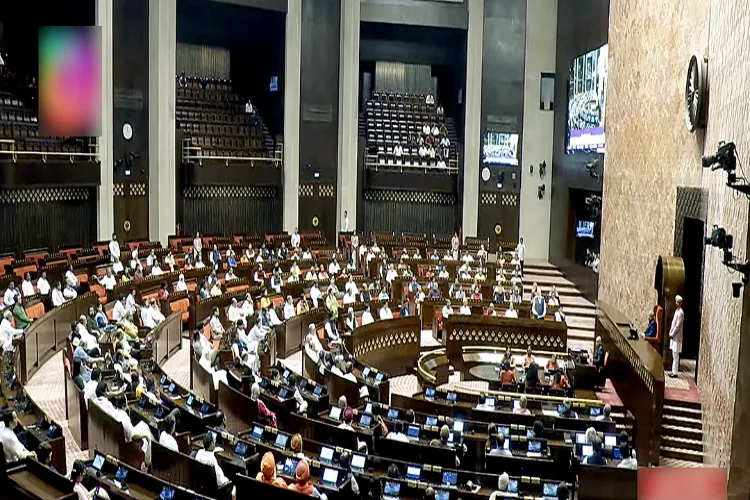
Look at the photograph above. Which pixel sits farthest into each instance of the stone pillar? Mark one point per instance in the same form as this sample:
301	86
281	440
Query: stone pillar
105	220
348	113
293	58
162	171
538	125
473	125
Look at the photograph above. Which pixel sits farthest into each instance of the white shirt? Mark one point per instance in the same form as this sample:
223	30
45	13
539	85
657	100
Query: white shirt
156	271
447	311
385	313
89	391
9	297
27	288
333	268
675	330
234	313
295	240
346	224
14	450
559	316
398	436
181	286
57	298
367	318
146	319
71	279
116	268
511	313
628	463
466	310
43	286
247	308
114	249
216	326
108	282
521	249
426	129
119	312
315	295
208	458
349	298
289	311
168	441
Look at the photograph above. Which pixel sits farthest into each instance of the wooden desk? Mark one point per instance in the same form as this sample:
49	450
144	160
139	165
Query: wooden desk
607	483
33	480
391	346
637	373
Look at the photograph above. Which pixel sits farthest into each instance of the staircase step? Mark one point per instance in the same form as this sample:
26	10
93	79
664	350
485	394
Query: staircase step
585	312
682	454
681	431
681	443
682	411
579	334
682	404
580	323
693	423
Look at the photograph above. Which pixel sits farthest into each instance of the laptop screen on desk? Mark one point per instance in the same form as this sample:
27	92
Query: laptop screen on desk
318	390
535	446
450	478
379	377
413	472
392	488
240	449
190	400
610	440
549	489
330	476
587	450
489	402
326	454
513	486
451	396
171	388
364	421
392	414
431	421
412	431
205	408
358	461
580	438
595	411
167	493
98	462
281	440
365	372
258	432
122	474
290	466
335	413
442	494
458	426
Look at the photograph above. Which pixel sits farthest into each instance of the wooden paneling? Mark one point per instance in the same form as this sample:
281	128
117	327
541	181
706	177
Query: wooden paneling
231	209
46	217
319	111
131	206
52	174
409	211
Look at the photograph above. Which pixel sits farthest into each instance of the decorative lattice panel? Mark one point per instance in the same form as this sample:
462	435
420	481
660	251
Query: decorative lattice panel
192	192
118	189
393	339
326	191
41	195
411	197
306	190
489	199
509	200
138	189
508	337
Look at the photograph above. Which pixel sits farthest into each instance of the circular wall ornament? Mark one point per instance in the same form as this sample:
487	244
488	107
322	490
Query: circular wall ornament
126	226
498	229
315	221
127	131
485	174
695	93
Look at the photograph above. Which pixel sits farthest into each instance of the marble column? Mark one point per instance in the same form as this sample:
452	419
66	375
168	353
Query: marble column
538	125
473	125
162	171
105	220
348	112
293	60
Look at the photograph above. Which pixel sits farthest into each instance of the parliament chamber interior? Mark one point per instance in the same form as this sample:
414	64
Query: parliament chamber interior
365	249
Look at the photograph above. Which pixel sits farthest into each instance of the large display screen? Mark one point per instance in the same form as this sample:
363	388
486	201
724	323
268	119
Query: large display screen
585	229
500	148
70	75
587	100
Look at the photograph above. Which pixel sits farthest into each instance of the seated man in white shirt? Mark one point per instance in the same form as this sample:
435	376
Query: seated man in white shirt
349	297
398	433
146	319
465	309
217	329
234	313
166	437
511	312
138	432
333	268
207	456
385	312
248	307
69	292
315	294
13	448
119	311
71	280
289	311
156	315
7	332
108	281
367	316
9	297
42	285
117	266
27	287
560	315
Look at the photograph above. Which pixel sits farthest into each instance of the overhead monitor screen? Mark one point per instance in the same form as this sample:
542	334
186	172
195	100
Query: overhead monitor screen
587	99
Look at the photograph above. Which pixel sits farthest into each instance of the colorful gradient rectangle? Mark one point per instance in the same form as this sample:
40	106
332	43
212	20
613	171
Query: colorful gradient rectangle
70	81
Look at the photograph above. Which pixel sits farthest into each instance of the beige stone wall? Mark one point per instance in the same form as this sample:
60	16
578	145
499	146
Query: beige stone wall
649	153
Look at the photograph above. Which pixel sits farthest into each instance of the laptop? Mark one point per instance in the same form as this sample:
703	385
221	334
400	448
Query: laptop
302	384
285	375
290	466
51	431
98	462
450	478
335	413
392	414
451	396
513	486
391	490
516	404
504	429
595	411
358	462
264	384
283	392
489	402
580	438
205	408
240	449
159	413
549	490
560	409
281	440
413	472
167	493
413	431
610	440
616	454
431	421
318	390
121	475
143	401
368	408
365	420
458	426
365	372
442	494
330	477
379	377
163	380
326	454
171	388
586	450
534	447
190	401
529	432
429	393
258	432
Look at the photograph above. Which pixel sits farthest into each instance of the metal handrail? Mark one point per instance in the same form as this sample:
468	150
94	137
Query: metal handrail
15	153
188	146
452	166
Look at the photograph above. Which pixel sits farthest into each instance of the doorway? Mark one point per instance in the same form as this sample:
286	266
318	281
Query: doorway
693	246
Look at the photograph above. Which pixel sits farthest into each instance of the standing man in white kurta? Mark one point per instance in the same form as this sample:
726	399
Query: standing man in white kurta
675	336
